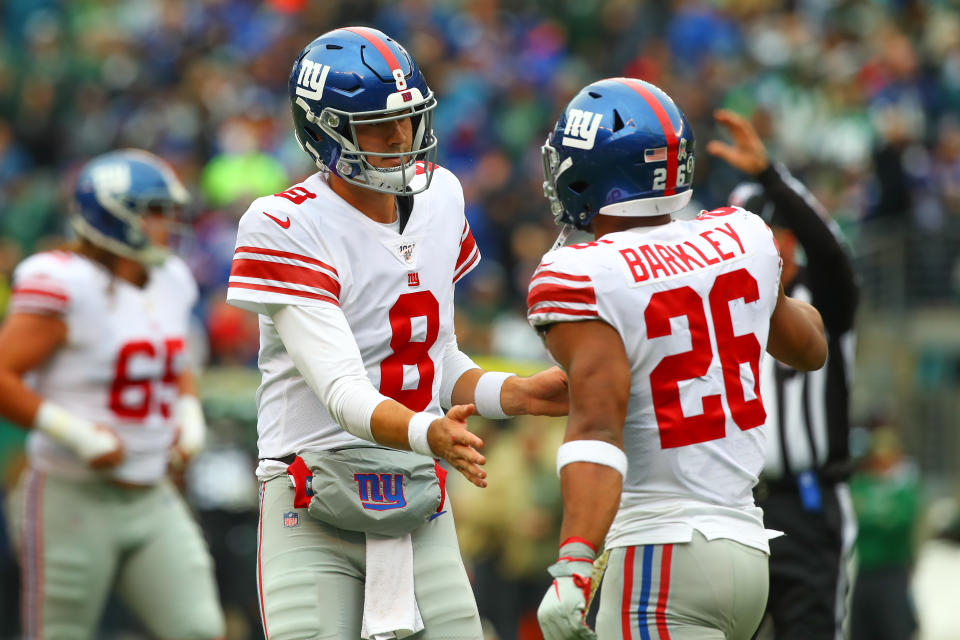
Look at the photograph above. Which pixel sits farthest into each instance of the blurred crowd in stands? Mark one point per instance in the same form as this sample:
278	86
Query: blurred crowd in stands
859	98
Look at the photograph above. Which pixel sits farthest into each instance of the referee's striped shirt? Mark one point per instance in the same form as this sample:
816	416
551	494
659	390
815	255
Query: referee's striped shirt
808	413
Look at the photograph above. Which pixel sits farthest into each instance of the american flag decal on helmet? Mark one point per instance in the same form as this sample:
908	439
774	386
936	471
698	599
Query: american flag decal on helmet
655	155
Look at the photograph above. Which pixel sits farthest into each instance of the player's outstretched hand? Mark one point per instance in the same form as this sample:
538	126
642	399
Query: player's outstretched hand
450	439
542	394
747	152
111	458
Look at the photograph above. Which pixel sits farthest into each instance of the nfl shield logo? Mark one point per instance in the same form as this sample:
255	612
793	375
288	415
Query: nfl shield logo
291	519
406	252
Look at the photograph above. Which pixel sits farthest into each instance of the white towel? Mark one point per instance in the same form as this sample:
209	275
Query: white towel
390	608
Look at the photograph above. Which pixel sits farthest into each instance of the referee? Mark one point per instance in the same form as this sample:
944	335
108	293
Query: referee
803	491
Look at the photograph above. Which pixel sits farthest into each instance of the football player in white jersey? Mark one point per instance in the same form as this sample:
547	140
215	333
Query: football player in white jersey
352	273
660	325
93	362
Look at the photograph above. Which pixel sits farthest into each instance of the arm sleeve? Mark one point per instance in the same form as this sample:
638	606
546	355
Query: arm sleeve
280	265
831	277
455	364
560	292
323	348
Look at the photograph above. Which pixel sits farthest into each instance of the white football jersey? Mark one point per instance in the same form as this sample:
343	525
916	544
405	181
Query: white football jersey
692	302
306	246
121	362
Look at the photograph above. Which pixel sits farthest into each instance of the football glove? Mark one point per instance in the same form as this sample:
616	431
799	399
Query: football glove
564	607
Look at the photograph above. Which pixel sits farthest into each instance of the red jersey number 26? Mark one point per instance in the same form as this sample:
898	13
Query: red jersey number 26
676	429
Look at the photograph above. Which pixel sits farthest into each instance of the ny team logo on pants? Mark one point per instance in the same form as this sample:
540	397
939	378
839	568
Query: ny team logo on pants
380	491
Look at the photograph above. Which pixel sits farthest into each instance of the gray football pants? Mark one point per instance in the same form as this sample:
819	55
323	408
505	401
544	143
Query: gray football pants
310	575
700	590
79	539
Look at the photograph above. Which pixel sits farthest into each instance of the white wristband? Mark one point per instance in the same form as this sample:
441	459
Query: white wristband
486	395
188	413
417	430
82	436
595	451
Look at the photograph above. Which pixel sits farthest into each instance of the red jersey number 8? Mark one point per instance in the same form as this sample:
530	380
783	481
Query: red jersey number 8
410	352
676	429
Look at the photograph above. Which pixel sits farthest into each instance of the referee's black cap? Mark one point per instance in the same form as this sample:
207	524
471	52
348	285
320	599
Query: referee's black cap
750	196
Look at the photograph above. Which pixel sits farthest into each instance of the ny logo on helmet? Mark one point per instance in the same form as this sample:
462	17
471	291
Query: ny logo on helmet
110	178
581	129
380	491
313	76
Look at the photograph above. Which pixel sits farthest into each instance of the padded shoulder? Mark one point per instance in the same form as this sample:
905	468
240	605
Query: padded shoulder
180	273
280	258
50	282
561	289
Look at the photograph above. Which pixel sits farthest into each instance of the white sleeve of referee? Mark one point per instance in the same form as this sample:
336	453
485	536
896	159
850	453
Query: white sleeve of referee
322	346
455	364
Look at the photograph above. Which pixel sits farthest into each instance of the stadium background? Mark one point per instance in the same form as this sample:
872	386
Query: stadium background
861	99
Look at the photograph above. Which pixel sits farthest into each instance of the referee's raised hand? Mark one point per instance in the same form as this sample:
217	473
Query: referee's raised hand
747	152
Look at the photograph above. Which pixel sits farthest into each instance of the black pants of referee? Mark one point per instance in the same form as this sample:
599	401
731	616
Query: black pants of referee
809	566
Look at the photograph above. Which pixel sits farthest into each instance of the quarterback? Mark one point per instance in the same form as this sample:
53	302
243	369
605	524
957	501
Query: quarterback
93	362
661	325
352	273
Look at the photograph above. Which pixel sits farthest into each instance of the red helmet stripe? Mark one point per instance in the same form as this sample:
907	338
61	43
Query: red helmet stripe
668	132
380	45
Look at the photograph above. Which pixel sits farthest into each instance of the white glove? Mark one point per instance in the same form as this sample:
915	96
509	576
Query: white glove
563	608
87	439
188	413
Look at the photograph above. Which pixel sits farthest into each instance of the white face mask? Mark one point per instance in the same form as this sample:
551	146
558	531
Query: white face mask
394	179
353	165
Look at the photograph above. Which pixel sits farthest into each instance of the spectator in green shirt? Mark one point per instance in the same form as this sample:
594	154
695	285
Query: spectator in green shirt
886	497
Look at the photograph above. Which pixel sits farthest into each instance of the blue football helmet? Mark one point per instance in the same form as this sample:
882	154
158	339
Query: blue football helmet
620	148
113	194
358	75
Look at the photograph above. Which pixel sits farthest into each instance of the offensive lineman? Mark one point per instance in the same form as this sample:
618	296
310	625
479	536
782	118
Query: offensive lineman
101	329
352	272
661	325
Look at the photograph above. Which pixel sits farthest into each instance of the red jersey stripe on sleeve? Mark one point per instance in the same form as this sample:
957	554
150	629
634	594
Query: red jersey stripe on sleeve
36	304
286	254
38	295
33	290
466	268
467	246
283	272
556	293
326	297
584	313
562	276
